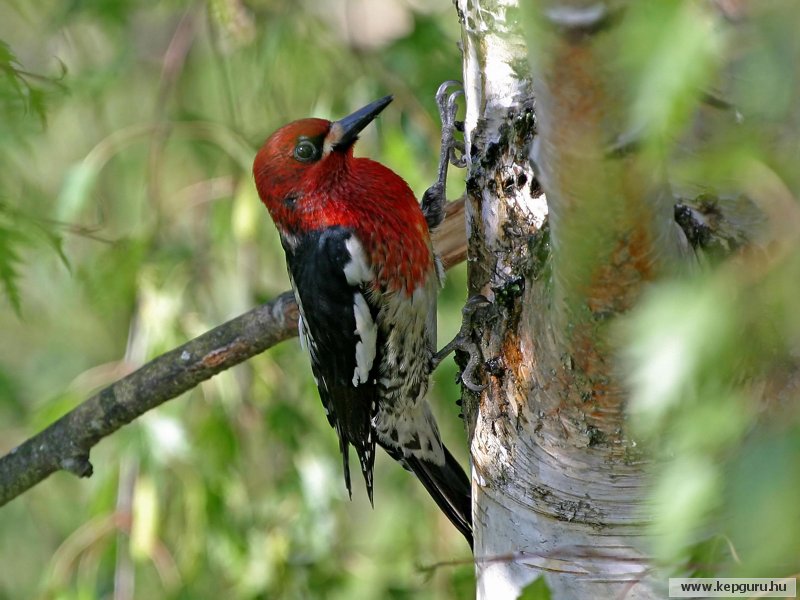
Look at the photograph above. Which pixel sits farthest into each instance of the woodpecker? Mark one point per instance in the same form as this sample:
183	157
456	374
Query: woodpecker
365	277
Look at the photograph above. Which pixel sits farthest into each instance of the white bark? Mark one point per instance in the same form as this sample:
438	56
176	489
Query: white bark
557	487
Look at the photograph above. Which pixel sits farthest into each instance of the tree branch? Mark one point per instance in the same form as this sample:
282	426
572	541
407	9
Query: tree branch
65	444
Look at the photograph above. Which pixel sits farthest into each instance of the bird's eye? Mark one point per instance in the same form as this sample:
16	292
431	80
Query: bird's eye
305	151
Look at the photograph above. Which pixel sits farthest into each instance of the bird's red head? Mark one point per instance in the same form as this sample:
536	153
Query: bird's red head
306	161
308	179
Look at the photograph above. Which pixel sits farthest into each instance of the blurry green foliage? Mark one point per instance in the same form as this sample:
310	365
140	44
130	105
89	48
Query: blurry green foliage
713	354
20	93
23	112
129	223
9	265
712	397
681	49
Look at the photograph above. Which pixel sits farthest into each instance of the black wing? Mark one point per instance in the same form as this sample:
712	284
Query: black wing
334	315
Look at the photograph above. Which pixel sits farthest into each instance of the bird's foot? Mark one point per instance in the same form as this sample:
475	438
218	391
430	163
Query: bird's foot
463	341
452	152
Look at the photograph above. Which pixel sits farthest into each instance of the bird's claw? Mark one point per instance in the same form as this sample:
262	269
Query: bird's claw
448	109
441	92
462	341
452	151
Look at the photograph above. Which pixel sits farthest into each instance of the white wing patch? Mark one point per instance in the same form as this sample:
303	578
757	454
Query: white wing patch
357	271
368	332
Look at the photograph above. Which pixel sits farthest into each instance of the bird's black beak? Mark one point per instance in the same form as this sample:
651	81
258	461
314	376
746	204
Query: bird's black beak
347	129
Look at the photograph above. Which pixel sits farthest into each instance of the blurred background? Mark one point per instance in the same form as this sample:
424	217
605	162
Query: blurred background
712	353
129	223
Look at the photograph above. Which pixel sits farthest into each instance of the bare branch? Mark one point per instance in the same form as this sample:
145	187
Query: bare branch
65	444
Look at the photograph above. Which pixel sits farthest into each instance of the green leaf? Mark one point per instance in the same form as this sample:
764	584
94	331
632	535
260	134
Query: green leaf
9	265
22	93
7	57
537	590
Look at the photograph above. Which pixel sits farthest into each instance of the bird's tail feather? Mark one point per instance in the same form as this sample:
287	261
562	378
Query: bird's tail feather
449	486
344	449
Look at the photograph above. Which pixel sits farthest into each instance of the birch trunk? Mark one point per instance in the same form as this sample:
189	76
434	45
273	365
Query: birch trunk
558	487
